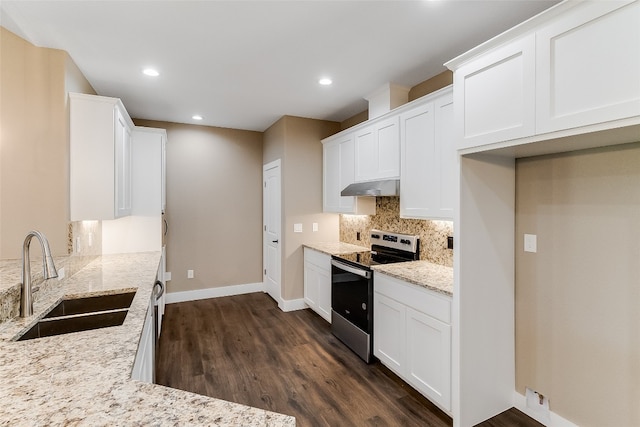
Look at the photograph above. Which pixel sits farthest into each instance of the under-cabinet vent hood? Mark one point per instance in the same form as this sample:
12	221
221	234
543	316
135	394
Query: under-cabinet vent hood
388	187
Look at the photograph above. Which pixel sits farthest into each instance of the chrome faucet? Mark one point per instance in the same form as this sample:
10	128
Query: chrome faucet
48	270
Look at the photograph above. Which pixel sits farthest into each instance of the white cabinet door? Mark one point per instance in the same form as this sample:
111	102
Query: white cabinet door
366	154
588	66
428	361
388	145
389	332
311	285
446	156
324	294
377	154
317	282
418	187
122	165
428	159
495	95
412	336
143	364
338	172
100	158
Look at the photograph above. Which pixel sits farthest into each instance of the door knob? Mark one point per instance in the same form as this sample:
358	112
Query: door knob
274	241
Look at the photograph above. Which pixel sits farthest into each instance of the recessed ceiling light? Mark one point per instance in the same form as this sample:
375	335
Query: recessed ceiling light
325	81
151	72
196	117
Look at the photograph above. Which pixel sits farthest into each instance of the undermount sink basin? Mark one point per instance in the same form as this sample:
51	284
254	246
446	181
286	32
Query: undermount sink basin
91	304
82	314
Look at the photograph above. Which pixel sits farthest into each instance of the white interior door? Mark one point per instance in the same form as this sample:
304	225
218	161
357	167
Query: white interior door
272	253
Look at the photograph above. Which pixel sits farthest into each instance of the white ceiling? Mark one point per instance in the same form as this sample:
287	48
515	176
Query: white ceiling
244	64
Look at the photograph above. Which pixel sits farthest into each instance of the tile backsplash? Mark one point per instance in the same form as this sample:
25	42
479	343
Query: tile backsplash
433	234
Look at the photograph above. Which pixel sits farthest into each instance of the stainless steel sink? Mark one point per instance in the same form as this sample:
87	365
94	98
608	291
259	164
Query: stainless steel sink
82	314
91	304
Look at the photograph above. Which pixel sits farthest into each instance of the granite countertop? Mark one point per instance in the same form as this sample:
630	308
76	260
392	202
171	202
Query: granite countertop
336	248
84	378
435	277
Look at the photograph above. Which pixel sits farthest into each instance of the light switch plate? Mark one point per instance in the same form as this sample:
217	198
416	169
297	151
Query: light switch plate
530	243
190	274
315	226
297	228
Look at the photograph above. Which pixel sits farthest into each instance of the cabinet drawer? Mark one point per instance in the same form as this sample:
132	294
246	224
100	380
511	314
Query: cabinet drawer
317	258
420	299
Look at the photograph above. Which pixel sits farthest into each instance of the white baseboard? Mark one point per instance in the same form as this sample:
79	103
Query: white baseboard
225	291
292	304
555	420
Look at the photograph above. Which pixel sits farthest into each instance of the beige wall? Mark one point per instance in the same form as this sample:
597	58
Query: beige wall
433	84
214	205
297	141
578	297
34	141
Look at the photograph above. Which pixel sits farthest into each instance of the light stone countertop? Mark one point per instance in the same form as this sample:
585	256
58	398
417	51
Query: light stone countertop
336	248
435	277
84	378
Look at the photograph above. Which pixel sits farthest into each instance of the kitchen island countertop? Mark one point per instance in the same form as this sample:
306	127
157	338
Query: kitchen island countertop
84	378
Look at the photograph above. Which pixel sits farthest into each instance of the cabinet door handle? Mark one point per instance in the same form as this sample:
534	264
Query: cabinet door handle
159	293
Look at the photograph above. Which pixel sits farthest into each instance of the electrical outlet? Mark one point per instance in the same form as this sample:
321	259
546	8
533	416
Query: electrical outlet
538	406
315	226
357	235
167	276
190	274
449	242
78	246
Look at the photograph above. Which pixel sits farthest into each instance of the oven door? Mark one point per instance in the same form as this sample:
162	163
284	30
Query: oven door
352	294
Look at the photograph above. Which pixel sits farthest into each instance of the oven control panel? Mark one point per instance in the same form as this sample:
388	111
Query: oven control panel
405	242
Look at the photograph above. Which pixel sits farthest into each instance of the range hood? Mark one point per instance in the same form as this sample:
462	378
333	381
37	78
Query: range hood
388	187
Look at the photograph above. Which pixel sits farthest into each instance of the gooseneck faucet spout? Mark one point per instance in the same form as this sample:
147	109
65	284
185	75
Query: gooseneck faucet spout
48	270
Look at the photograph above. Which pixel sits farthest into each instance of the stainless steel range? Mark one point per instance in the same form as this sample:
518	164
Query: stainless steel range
352	287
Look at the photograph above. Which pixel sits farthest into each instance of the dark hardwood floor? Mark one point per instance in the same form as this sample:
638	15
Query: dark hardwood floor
244	349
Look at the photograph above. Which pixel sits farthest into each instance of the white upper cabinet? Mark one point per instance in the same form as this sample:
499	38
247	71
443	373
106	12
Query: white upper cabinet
496	95
574	66
588	66
428	158
338	172
377	150
100	158
148	175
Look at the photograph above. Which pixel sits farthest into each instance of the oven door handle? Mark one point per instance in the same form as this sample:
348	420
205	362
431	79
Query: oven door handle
362	273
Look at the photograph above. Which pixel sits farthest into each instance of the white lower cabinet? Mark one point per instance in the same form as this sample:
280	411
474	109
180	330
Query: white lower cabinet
143	365
412	336
317	282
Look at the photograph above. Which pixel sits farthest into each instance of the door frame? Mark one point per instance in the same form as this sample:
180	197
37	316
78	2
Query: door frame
271	165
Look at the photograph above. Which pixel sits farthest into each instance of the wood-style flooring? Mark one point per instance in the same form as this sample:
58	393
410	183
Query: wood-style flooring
244	349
